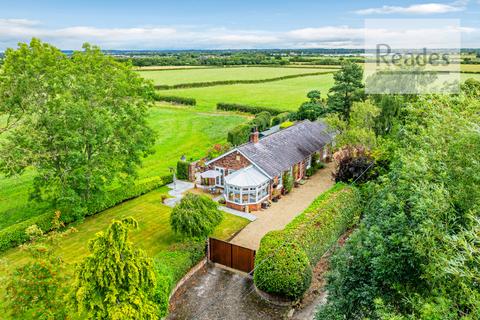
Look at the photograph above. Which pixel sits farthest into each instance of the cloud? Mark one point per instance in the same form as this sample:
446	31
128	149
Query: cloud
13	31
425	8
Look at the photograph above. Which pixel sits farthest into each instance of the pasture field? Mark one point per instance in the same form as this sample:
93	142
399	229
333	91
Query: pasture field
154	233
470	67
179	131
284	94
195	75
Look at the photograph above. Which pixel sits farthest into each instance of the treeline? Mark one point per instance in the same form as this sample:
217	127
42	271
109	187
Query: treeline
230	82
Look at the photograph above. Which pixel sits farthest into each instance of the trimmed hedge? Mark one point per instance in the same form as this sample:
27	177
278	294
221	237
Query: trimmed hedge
182	169
262	121
247	108
240	134
170	266
280	118
15	235
230	82
177	100
285	258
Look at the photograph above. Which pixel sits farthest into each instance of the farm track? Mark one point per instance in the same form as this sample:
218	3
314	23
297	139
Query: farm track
231	82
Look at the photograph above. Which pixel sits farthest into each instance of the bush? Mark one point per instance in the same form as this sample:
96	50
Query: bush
282	268
182	169
286	270
286	124
240	134
354	164
170	266
246	108
262	121
195	216
280	118
287	182
177	100
15	234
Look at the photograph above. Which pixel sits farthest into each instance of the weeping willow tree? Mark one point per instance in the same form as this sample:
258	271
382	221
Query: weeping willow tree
116	281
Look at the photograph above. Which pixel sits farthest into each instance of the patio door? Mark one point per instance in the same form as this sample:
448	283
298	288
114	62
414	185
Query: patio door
220	180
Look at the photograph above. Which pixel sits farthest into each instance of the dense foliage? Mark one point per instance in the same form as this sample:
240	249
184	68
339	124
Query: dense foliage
183	169
16	234
279	118
354	165
246	108
312	109
241	133
117	280
177	100
196	216
170	266
262	121
78	121
283	264
416	253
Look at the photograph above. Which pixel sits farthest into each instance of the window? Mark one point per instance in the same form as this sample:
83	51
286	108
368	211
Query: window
247	195
309	161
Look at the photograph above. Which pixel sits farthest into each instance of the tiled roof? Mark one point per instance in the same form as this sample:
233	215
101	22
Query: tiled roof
279	151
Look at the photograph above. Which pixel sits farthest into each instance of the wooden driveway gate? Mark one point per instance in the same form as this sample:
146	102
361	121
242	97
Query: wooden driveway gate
231	255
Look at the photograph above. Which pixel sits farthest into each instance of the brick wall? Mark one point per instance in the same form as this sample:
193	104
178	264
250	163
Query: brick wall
234	161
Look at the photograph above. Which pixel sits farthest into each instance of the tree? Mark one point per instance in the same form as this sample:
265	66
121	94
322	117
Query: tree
313	109
346	90
195	216
117	280
81	123
36	289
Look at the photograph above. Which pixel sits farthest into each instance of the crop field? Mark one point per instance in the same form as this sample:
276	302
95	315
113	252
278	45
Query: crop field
179	131
171	77
470	67
284	94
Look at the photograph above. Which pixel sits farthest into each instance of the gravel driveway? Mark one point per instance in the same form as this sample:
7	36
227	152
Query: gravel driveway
283	211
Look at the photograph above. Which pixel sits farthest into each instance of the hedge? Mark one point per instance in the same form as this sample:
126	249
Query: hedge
247	108
15	235
170	266
280	118
240	134
177	100
285	258
262	121
230	82
182	169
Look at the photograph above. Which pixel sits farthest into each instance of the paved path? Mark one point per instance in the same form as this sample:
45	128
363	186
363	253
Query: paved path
178	188
283	211
242	214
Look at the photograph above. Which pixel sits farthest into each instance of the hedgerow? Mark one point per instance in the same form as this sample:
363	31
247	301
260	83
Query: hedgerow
246	108
285	259
170	266
280	118
262	121
240	134
15	234
177	100
231	82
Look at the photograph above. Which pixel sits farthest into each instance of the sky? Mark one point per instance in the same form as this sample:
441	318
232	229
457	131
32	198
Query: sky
209	24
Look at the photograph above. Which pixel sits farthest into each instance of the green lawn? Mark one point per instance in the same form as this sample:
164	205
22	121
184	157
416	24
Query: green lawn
154	233
285	94
170	77
179	131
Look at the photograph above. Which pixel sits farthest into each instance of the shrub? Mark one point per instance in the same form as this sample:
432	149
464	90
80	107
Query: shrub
286	270
280	118
240	134
287	182
311	171
354	164
177	100
170	266
195	216
262	121
246	108
182	169
15	234
286	124
282	268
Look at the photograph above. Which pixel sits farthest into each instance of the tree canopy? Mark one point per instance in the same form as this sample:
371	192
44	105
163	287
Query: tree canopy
117	280
79	122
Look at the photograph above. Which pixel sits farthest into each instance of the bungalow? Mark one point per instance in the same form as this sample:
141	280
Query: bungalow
252	173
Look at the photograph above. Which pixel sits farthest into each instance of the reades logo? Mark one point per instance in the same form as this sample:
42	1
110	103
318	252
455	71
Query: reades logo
385	56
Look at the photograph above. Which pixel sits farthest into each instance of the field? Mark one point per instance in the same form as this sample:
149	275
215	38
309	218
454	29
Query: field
284	95
470	67
179	131
194	75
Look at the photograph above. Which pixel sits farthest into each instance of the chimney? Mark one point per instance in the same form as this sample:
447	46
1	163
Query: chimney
255	135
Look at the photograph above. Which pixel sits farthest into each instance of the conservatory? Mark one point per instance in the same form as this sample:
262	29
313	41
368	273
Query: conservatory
246	187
